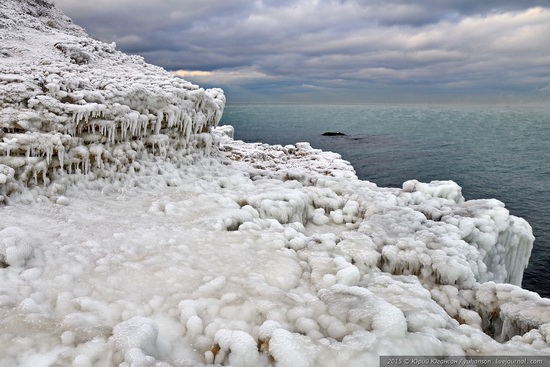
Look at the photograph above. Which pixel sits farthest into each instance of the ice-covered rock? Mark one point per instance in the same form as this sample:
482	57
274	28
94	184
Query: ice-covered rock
15	246
508	311
234	347
135	341
71	104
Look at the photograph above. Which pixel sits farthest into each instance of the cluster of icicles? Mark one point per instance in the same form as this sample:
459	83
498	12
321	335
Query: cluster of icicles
55	123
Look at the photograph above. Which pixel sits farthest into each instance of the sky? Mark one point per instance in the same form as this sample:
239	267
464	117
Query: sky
343	51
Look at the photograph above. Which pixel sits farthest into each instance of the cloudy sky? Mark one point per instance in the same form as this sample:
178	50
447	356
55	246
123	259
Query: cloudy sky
338	50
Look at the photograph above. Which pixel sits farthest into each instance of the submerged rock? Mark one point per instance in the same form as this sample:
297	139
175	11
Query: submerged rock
333	133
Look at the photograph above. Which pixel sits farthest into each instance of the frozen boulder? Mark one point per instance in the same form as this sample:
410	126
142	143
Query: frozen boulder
15	246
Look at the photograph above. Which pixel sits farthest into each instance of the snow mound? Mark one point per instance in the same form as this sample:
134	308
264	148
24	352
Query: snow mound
234	347
74	109
15	246
136	341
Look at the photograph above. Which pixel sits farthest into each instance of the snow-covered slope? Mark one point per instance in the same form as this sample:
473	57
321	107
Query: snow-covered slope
71	104
136	234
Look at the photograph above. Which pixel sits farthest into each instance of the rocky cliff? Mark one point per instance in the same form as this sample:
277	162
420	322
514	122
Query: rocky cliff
73	108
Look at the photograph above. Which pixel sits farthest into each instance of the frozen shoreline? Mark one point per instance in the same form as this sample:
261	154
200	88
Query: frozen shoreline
138	234
279	256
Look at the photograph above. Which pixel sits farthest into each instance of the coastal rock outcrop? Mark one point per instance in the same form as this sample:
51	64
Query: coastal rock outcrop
72	104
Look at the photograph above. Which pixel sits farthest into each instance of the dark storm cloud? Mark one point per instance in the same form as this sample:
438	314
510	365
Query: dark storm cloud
323	47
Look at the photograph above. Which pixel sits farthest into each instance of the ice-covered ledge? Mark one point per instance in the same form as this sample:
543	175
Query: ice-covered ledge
470	255
465	241
72	104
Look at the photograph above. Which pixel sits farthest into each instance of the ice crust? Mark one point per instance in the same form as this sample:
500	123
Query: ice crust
138	234
70	105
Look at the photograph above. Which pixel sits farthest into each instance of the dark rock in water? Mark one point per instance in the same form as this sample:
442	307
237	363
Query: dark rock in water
333	133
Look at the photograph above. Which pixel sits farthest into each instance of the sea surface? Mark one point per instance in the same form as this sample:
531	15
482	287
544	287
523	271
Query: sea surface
500	152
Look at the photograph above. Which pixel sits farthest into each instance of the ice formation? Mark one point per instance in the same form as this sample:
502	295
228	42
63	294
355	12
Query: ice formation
137	234
15	246
71	104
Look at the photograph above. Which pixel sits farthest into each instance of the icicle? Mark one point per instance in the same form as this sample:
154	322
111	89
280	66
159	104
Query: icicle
144	124
10	144
86	164
49	153
112	133
132	122
123	127
188	127
160	116
171	120
60	156
97	151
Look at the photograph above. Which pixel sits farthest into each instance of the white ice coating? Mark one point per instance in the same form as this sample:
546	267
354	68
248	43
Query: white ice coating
135	236
15	246
71	104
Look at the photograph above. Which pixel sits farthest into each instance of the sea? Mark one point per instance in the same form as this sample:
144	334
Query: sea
500	152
